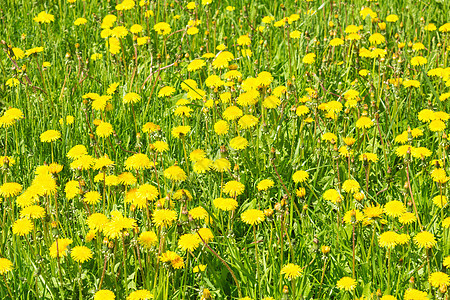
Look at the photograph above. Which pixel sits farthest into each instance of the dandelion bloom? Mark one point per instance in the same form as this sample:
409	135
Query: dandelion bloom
103	162
80	21
44	17
232	113
353	216
425	239
336	42
140	295
117	225
77	151
175	173
150	127
221	127
436	125
180	131
332	195
166	91
173	258
394	208
377	38
265	184
50	136
411	83
104	129
59	247
131	98
198	213
202	165
351	186
81	254
92	197
329	137
439	280
225	204
5	265
234	188
148	239
22	227
189	242
247	121
97	221
206	234
238	143
10	189
300	176
291	271
407	218
446	262
252	216
413	294
364	122
138	161
373	212
104	295
440	201
309	58
388	239
346	283
164	217
446	222
221	165
33	212
162	28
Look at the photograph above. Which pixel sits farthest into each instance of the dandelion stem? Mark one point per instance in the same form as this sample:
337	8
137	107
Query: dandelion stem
411	193
225	264
103	272
7	286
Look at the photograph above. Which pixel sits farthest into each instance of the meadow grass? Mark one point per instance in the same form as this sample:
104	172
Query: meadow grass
232	149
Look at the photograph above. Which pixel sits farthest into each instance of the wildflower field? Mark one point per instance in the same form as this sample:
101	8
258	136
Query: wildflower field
224	149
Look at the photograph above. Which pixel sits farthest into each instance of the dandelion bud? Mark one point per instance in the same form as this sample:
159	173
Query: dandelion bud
443	289
268	212
77	45
300	192
305	207
285	289
67	54
110	245
206	295
278	206
325	249
359	196
411	280
379	293
54	224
